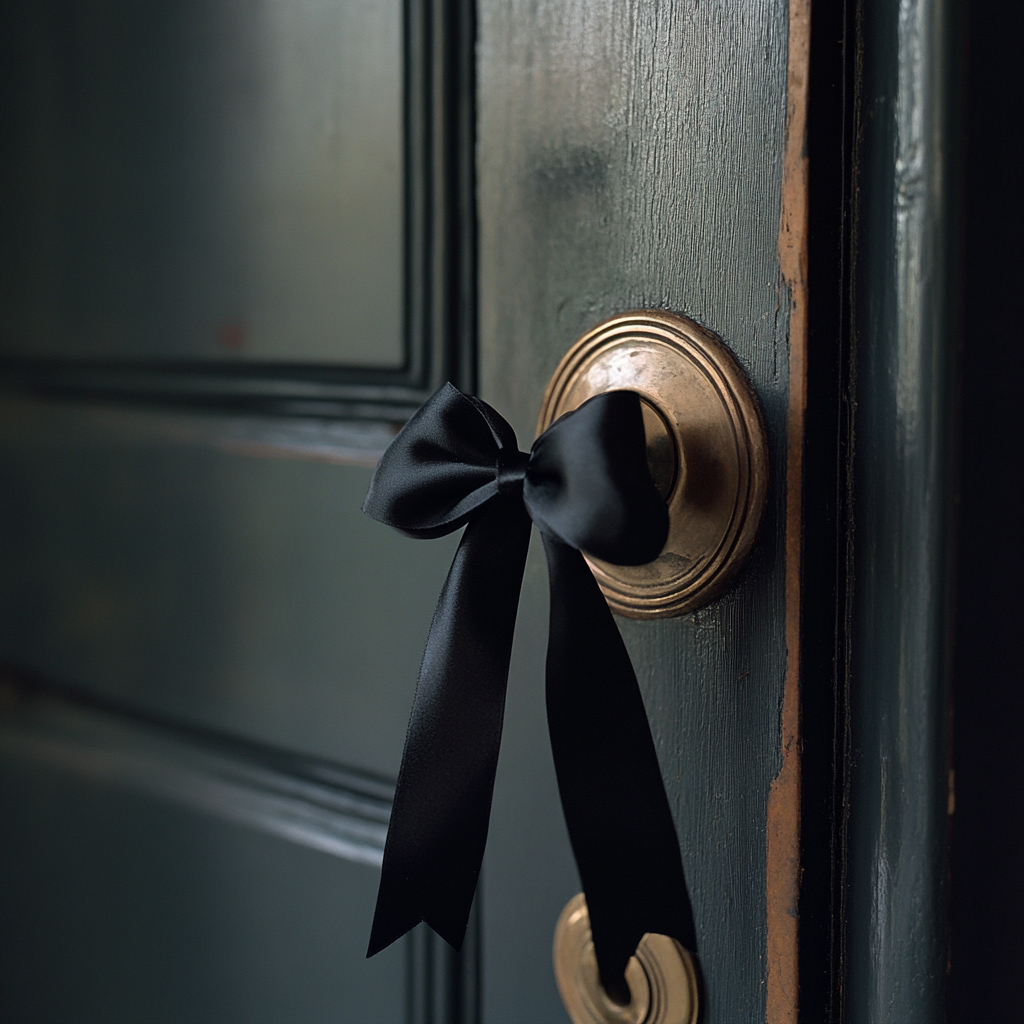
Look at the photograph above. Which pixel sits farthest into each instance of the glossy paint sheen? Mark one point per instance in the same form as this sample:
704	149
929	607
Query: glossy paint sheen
631	157
902	521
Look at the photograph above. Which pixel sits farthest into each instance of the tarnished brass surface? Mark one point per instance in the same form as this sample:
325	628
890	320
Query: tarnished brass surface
706	448
662	980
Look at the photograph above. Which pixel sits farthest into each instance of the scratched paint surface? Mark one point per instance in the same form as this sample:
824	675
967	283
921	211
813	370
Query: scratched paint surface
631	156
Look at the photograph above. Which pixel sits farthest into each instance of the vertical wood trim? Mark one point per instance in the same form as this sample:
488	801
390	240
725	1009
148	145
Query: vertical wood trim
905	337
783	833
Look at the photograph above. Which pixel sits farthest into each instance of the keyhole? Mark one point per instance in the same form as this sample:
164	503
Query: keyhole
618	992
662	457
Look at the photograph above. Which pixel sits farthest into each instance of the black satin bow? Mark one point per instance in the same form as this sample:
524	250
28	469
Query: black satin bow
587	486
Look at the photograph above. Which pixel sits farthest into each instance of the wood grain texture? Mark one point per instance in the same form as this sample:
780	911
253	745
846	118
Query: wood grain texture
784	803
631	155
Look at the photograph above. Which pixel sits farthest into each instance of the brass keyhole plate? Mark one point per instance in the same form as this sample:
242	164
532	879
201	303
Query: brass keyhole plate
661	976
706	447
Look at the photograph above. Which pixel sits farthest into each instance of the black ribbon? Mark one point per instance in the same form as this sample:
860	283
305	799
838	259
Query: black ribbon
587	487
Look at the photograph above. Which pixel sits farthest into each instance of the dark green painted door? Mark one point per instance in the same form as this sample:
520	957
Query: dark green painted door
241	242
211	651
631	156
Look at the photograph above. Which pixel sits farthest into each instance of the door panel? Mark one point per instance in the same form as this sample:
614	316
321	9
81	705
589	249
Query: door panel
631	156
205	180
238	236
117	908
211	575
244	593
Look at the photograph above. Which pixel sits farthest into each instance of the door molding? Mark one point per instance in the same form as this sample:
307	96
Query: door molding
337	810
439	272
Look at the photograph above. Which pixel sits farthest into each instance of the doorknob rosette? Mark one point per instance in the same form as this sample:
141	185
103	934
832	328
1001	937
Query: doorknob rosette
661	977
706	448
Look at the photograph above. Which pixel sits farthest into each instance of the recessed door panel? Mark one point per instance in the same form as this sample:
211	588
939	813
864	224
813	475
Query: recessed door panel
211	180
242	592
117	908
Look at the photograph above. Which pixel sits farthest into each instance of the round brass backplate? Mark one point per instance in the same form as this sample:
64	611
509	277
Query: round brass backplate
662	980
706	448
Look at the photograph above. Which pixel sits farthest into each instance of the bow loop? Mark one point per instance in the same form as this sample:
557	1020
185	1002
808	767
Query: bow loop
440	467
588	483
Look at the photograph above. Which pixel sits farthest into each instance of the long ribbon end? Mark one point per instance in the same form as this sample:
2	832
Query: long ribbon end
383	936
384	932
452	932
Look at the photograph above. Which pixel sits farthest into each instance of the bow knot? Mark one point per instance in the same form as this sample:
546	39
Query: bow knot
510	472
585	481
586	485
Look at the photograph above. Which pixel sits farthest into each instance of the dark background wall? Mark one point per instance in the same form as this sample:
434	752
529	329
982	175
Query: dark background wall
987	912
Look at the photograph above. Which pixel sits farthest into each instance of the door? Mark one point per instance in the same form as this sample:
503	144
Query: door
245	241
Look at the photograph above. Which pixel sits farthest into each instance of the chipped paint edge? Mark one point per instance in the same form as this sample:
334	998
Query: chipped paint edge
783	831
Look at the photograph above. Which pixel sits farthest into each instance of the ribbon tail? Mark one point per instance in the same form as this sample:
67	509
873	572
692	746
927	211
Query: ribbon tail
442	805
610	782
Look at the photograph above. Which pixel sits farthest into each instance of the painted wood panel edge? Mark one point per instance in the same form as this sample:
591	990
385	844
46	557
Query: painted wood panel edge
309	802
342	442
439	272
783	818
316	804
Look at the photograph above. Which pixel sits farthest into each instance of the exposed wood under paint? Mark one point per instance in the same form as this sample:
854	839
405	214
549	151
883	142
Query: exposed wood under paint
783	856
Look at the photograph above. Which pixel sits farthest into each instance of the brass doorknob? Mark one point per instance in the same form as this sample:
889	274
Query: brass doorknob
661	977
706	448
